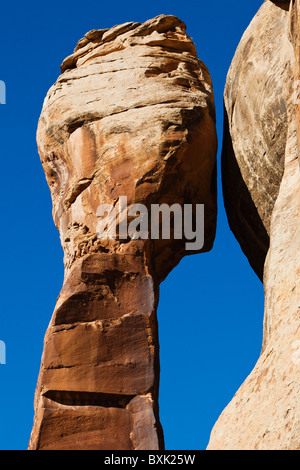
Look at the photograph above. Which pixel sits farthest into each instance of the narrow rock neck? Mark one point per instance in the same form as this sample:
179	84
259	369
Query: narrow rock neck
99	377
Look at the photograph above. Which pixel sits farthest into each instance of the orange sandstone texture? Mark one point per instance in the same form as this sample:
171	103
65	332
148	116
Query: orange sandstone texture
132	114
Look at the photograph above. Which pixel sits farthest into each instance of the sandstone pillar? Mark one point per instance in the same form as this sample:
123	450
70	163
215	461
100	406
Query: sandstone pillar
131	116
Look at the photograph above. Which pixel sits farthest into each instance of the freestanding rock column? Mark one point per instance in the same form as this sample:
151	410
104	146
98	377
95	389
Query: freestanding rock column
132	116
261	176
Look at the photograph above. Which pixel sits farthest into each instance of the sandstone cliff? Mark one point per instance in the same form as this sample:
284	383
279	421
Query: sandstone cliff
261	181
132	114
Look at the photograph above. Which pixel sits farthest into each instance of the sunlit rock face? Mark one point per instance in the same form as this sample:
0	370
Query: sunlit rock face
132	115
262	197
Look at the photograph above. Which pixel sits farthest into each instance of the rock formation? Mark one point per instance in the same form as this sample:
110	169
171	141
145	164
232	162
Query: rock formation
261	180
132	115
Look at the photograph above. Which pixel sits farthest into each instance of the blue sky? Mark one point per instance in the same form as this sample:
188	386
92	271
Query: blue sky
211	305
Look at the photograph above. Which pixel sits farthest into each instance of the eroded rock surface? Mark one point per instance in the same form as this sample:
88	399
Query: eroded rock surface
262	195
131	115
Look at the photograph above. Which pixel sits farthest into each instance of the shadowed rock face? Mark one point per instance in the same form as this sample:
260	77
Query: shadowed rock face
256	127
261	177
131	115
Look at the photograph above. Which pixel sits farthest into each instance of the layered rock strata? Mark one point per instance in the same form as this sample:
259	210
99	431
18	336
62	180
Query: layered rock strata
262	196
132	115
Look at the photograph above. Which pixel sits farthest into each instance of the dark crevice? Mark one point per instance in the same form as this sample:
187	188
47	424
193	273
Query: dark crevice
106	400
283	4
